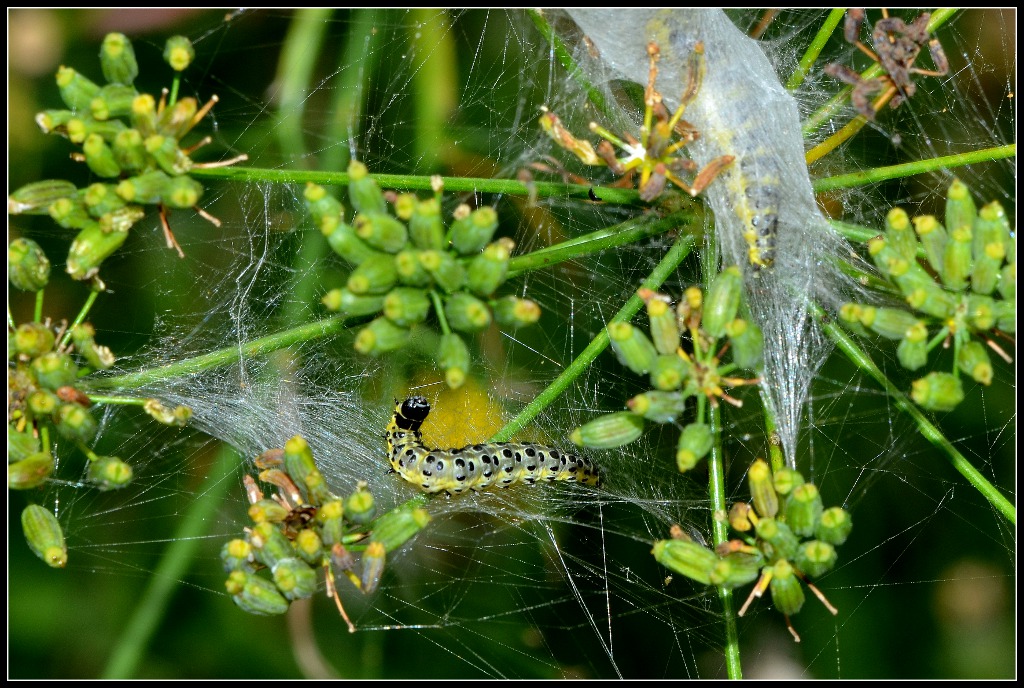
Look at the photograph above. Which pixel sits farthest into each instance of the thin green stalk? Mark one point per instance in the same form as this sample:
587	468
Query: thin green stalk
118	400
37	315
442	321
357	70
226	356
945	162
294	73
411	182
564	58
130	650
83	312
924	426
720	534
682	247
628	232
814	49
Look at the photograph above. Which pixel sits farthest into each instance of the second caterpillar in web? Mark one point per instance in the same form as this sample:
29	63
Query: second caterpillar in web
478	466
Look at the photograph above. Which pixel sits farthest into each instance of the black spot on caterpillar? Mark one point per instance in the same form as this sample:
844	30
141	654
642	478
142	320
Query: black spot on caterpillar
479	466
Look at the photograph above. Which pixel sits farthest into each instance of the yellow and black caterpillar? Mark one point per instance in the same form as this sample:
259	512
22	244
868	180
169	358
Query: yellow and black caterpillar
479	466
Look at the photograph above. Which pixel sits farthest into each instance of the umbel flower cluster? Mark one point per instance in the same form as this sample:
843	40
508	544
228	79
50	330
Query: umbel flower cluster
132	141
304	526
682	359
960	283
409	266
786	536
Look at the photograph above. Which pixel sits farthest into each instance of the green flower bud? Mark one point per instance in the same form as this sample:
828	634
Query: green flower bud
912	354
320	203
405	206
486	271
236	555
143	116
834	526
294	579
778	538
937	391
425	227
70	214
396	527
735	570
20	443
899	235
300	466
747	343
269	544
53	370
974	361
37	197
176	417
379	336
981	311
686	557
29	472
149	187
786	480
815	558
109	473
100	157
892	323
447	272
658	407
930	299
165	152
373	567
101	198
79	128
28	268
90	248
179	53
632	347
723	301
83	335
255	595
360	506
120	220
43	403
343	240
182	192
375	275
332	525
130	151
933	237
739	517
992	227
76	90
381	231
267	511
960	208
787	594
54	121
453	358
762	492
1008	281
406	306
410	271
986	272
957	263
309	546
44	535
664	325
466	313
608	431
512	311
114	100
470	233
33	339
117	59
669	372
1006	315
363	192
803	509
694	444
346	302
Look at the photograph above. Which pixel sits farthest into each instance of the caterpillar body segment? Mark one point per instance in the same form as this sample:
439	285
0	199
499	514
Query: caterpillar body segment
479	466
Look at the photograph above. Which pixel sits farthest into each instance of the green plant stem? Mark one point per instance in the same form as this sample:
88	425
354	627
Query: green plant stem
879	174
226	356
627	232
675	255
294	73
435	83
815	47
442	321
720	534
118	400
83	312
927	429
37	314
411	182
130	649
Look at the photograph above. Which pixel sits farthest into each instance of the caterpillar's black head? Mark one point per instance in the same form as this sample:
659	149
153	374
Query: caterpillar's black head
411	413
